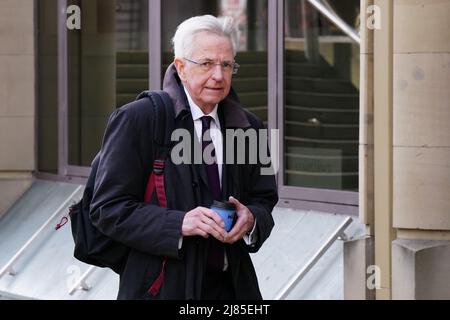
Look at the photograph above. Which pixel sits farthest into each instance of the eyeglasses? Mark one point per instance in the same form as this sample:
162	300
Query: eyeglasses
208	65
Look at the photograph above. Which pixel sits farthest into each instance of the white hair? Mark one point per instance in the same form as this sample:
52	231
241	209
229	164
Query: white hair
183	40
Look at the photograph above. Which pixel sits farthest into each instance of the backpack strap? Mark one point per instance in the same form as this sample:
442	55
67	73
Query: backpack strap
165	115
163	125
156	181
163	121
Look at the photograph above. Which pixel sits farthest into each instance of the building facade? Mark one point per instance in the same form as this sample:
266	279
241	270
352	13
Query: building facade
362	116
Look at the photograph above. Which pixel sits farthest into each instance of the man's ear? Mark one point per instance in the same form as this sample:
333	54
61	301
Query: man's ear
179	65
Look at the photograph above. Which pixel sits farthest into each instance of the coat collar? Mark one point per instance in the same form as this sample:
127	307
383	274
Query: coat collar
233	112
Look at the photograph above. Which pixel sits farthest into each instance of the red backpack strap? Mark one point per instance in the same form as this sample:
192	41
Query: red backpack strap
156	285
156	181
163	124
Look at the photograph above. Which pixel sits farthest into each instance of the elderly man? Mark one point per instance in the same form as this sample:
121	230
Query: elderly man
184	248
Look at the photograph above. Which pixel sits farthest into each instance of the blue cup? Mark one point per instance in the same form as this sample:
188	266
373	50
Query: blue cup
226	211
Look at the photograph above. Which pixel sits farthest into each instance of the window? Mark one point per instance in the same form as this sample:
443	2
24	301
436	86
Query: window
107	67
321	99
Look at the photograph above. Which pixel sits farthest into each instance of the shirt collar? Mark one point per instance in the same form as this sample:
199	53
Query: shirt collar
197	113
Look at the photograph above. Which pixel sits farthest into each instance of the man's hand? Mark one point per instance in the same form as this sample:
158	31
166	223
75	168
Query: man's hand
203	222
244	222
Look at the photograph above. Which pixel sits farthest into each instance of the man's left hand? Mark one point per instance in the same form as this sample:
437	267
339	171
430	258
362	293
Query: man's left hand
244	223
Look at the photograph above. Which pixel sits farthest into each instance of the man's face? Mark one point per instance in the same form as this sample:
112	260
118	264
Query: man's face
207	87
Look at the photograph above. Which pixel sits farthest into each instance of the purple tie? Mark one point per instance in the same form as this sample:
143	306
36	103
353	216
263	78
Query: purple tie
211	169
216	250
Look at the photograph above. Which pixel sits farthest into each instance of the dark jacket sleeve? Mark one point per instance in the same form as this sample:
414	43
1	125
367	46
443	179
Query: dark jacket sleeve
262	196
117	208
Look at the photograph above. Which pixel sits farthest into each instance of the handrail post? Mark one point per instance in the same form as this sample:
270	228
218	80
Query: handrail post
284	292
81	283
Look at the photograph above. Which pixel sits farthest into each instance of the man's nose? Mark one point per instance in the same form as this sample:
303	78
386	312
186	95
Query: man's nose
217	72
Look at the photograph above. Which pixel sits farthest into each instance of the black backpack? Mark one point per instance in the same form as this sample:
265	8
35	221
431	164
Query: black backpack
91	246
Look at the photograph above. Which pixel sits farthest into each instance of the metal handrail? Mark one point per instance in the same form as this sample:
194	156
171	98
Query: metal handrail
336	20
9	267
81	283
284	292
329	7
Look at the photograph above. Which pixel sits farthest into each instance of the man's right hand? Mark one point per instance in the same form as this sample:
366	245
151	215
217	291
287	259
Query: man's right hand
203	222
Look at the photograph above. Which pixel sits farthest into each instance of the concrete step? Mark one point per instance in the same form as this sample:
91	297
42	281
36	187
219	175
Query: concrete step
321	131
132	57
249	57
323	100
295	56
323	115
320	163
131	85
294	69
319	85
341	147
242	85
132	71
303	114
253	99
338	181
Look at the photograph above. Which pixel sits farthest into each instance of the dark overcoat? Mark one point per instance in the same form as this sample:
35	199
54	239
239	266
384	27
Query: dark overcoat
153	232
